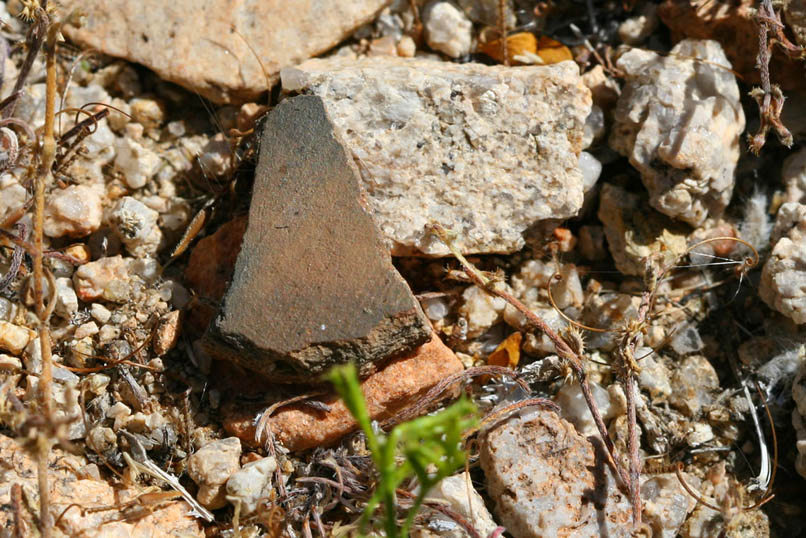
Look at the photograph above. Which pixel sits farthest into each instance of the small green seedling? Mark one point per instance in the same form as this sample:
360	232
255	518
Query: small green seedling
430	446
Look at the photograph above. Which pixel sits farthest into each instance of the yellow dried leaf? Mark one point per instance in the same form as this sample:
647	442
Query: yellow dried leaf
552	51
508	352
521	44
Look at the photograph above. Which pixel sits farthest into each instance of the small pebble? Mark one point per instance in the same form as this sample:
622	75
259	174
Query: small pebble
66	299
447	29
136	225
107	278
137	163
14	338
211	466
87	329
75	211
100	313
250	484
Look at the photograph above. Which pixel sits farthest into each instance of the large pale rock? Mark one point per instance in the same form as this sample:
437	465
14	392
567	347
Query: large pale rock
211	466
73	495
314	284
679	120
484	151
783	279
547	480
216	47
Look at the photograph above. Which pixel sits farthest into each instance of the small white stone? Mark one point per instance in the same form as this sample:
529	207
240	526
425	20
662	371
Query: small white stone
575	410
12	195
97	383
436	308
75	211
9	363
591	169
406	47
783	279
211	466
793	175
85	330
137	163
635	30
666	503
108	333
447	29
215	159
66	299
106	278
700	434
251	483
14	338
136	225
595	127
100	313
463	499
481	310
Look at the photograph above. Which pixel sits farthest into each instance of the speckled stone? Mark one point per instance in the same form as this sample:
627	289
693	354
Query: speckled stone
484	151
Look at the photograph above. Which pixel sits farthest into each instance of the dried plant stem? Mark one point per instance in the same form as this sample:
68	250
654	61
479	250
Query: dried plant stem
502	30
563	349
45	177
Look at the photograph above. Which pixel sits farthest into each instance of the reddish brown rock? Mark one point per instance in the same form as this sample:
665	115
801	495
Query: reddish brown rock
218	48
314	284
386	392
735	27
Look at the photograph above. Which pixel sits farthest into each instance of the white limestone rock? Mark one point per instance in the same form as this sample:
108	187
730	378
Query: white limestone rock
794	177
666	504
679	121
137	163
485	151
75	211
211	466
252	483
136	225
460	496
447	29
783	279
12	195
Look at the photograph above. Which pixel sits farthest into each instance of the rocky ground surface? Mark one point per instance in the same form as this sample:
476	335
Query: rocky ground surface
246	195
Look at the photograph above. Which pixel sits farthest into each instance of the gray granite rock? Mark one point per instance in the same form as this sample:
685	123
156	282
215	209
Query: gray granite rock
314	284
679	120
485	151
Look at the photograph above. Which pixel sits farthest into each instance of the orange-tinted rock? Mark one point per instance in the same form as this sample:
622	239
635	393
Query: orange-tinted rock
212	260
388	391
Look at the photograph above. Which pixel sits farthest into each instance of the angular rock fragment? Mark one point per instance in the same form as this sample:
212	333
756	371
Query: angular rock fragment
314	285
547	480
783	279
485	151
388	391
679	120
211	466
635	232
218	48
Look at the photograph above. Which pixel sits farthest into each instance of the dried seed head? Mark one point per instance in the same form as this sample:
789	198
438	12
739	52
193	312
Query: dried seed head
573	337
